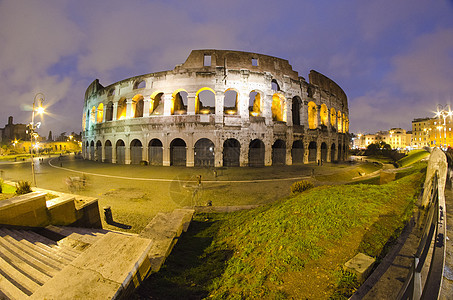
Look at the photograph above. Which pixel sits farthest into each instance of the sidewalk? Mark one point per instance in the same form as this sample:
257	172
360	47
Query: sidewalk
447	283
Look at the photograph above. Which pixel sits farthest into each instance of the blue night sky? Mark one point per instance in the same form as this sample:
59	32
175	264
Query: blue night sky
394	59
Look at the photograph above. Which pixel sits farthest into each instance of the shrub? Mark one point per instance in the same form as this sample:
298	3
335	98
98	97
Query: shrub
23	187
300	186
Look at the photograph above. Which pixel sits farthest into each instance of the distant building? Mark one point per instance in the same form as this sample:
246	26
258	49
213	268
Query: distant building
13	132
397	138
420	133
432	132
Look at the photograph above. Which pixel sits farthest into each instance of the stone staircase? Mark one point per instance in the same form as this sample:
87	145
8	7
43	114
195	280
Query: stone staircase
60	262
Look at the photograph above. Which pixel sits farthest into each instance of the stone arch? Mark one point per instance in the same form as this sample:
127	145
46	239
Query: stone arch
98	154
92	153
136	151
156	106
108	151
333	117
278	108
256	153
323	151
137	106
204	153
295	110
312	115
230	102
255	103
109	111
312	151
139	84
205	101
111	92
155	152
274	85
297	152
324	114
121	109
100	113
120	152
340	122
179	102
178	152
93	115
332	152
279	152
231	153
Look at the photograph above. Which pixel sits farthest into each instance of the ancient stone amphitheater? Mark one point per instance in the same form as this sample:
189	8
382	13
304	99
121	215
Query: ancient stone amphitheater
218	108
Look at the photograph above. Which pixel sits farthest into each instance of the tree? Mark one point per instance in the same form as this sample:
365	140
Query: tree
50	136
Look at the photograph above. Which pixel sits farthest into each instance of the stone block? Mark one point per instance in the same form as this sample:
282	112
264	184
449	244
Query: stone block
62	210
360	265
25	210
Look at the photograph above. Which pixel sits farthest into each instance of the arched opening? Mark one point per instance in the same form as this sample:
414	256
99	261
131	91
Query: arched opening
156	106
312	115
256	153
137	106
100	113
93	115
109	112
274	85
136	152
179	101
120	152
231	153
92	153
278	153
332	152
98	156
312	148
178	152
230	102
84	121
297	152
340	122
324	114
111	92
278	108
340	152
108	151
333	117
204	153
205	101
140	84
295	110
155	152
121	109
344	123
255	103
323	152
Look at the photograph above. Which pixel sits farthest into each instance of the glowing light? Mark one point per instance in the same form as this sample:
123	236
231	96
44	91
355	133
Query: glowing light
254	113
205	111
231	112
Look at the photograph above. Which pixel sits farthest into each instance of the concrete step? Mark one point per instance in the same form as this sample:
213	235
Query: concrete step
85	235
8	290
44	242
33	251
22	282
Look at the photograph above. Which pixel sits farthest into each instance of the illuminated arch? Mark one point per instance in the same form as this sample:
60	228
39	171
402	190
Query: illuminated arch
100	113
333	117
255	103
84	121
137	106
312	115
205	101
93	115
204	153
324	114
278	107
344	123
156	106
230	102
121	109
340	122
179	102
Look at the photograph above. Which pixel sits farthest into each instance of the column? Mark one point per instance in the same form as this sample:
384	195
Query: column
168	104
266	107
218	154
113	153
129	112
329	152
267	154
244	155
145	153
115	111
219	103
306	152
191	103
127	148
103	152
289	112
146	105
289	158
244	106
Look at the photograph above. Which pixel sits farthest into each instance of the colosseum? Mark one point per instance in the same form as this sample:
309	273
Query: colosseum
218	108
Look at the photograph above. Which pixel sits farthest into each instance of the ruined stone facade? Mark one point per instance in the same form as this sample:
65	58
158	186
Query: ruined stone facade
219	108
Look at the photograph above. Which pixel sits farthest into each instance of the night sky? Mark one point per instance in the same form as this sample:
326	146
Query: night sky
394	59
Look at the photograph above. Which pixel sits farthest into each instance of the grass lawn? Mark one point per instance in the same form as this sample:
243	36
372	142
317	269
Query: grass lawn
292	248
413	157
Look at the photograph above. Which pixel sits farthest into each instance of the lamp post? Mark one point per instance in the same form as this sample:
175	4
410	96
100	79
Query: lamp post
39	109
443	113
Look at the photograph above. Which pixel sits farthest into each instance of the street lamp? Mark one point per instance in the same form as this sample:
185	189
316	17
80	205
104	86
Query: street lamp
443	113
32	127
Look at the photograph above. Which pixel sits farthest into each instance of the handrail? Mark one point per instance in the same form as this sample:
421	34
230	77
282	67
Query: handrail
434	234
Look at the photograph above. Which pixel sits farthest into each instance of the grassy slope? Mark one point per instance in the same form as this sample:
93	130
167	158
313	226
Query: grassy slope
269	251
412	157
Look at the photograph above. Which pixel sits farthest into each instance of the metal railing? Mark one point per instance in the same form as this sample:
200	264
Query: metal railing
433	236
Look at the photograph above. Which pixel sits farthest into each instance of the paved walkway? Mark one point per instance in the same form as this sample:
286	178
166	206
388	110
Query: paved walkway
447	284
